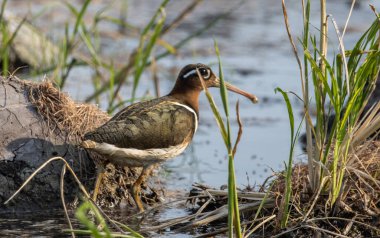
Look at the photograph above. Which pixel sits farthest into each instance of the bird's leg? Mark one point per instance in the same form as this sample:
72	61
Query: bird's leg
136	187
99	176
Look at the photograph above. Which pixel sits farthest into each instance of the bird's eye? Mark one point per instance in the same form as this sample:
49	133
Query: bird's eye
205	73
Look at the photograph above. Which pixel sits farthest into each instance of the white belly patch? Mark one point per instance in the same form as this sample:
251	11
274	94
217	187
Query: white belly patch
138	158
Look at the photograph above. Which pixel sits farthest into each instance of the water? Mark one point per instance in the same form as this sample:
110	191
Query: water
257	57
34	224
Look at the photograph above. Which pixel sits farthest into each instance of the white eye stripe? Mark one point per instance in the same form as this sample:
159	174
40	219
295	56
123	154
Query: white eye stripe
192	72
195	73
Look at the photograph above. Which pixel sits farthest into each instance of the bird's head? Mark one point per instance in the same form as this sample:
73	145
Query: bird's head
189	79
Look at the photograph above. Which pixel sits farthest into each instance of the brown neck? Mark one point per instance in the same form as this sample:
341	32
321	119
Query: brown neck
187	96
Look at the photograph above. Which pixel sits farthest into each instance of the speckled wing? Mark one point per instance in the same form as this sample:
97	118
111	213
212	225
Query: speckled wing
146	125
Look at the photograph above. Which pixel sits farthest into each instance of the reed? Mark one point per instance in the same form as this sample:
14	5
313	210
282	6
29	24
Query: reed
224	127
342	85
294	135
6	40
148	40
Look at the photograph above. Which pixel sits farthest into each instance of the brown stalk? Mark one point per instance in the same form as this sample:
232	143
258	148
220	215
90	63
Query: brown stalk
81	187
156	79
240	132
62	183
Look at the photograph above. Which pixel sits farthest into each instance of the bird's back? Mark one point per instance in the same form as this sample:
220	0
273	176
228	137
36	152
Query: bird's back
158	123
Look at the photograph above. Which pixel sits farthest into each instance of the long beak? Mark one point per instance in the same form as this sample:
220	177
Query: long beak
232	88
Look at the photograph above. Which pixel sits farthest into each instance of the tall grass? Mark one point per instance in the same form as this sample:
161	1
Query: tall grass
294	135
66	61
342	84
224	127
148	40
6	40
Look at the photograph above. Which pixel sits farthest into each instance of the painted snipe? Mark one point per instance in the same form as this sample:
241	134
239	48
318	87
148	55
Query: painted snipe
151	132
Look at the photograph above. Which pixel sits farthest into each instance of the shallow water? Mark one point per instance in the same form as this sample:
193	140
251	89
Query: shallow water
257	57
37	224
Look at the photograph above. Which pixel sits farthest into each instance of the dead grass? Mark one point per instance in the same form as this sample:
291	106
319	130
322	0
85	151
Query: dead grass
356	214
62	113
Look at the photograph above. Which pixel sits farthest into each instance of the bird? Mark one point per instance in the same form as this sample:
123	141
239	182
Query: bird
150	132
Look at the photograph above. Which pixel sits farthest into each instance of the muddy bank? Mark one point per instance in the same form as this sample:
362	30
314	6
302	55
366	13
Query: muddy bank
27	141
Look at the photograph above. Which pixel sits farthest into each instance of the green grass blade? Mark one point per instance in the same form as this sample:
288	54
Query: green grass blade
144	51
82	217
215	111
288	178
234	226
7	41
79	17
2	9
86	38
223	89
153	19
122	73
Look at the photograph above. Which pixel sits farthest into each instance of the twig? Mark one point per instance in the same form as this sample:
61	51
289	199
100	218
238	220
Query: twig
211	234
343	219
43	166
168	223
259	225
348	17
349	226
342	49
366	175
374	11
200	210
325	231
324	180
222	212
257	196
286	232
240	132
82	188
62	182
295	51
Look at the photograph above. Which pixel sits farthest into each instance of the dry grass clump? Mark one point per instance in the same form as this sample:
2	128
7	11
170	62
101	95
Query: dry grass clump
356	213
363	181
62	113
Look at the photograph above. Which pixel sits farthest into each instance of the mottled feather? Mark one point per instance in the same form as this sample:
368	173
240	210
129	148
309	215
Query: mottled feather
147	125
